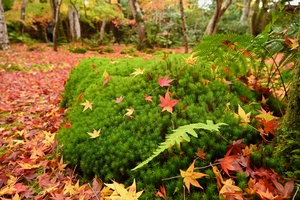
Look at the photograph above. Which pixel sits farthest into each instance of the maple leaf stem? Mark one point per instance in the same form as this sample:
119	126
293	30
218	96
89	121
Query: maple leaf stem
224	139
254	128
165	179
154	90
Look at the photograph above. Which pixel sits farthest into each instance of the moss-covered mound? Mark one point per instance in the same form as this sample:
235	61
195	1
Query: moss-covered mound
127	139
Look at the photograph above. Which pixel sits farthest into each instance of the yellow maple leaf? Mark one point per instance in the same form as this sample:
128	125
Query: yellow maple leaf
190	61
16	197
70	188
28	166
129	112
137	71
229	189
95	133
120	193
245	118
105	74
49	138
266	116
87	105
189	176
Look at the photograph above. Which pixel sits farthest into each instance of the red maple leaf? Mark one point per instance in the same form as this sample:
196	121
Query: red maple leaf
166	103
162	192
230	162
164	81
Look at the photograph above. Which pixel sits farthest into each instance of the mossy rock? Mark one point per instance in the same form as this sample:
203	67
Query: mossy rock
125	141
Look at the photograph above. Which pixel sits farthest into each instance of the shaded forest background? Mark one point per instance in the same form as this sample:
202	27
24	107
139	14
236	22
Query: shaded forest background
147	24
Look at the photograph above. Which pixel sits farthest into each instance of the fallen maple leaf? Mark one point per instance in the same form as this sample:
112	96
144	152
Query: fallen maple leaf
227	163
148	98
80	97
164	81
231	190
87	105
129	112
189	176
106	80
162	192
292	43
124	194
245	118
137	71
270	126
200	153
166	103
95	133
119	99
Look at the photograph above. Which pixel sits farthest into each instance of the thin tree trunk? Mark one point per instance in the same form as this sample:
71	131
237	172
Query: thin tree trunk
55	4
23	9
246	10
77	23
141	26
254	16
185	36
219	11
102	29
71	22
4	42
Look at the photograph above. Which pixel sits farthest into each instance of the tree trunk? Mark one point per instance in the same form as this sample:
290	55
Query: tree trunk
23	9
259	17
77	23
55	5
102	29
246	10
219	11
141	26
71	22
291	121
75	29
4	42
185	36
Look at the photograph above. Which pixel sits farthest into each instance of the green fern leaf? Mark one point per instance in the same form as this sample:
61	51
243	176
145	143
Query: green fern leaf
179	134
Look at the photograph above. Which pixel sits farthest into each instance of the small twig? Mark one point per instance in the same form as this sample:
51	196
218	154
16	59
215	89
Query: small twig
165	179
295	193
153	90
183	192
95	194
204	167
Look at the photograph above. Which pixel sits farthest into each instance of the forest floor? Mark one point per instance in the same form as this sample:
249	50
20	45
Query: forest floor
32	80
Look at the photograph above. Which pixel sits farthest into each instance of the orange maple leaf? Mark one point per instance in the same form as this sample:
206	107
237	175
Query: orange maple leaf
201	154
166	103
189	176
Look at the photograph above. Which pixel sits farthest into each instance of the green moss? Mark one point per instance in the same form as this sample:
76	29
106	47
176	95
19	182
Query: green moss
124	142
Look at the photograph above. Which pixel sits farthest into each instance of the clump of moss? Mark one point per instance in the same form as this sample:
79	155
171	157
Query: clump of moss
78	50
125	141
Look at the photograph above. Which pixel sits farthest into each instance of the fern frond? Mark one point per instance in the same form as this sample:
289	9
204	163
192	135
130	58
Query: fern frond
179	134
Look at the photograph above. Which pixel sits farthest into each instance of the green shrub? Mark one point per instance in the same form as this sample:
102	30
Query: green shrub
124	142
78	50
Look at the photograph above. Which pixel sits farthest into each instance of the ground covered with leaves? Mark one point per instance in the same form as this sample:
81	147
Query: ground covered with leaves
31	89
32	82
